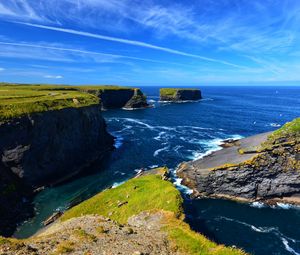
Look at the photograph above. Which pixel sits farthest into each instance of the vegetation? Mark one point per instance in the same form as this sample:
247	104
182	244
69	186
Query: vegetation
150	193
289	128
20	99
189	242
288	134
131	198
171	91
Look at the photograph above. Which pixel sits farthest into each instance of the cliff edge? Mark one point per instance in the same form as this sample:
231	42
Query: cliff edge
262	167
142	216
47	135
179	94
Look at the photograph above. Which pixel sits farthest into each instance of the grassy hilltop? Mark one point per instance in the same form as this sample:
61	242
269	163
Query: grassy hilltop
19	99
148	198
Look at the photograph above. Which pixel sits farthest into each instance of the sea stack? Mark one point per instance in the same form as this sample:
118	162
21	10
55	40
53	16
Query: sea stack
179	94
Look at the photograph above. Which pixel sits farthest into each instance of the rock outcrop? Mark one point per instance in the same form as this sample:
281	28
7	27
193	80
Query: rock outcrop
270	171
129	98
43	148
178	95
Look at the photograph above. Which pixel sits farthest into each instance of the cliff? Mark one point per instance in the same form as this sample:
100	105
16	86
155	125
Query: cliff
177	95
142	216
117	97
263	167
46	136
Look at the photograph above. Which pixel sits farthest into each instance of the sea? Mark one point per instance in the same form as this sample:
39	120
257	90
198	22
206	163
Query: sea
170	133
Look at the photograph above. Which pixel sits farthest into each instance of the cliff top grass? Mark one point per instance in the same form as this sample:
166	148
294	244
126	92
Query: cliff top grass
135	196
289	130
150	193
173	91
20	99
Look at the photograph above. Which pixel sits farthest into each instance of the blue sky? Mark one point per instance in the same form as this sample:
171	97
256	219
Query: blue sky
153	42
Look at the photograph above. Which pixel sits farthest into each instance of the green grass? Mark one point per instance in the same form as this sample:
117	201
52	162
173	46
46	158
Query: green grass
189	242
151	193
20	99
290	130
172	91
138	195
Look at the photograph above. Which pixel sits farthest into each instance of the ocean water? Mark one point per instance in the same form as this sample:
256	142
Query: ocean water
168	134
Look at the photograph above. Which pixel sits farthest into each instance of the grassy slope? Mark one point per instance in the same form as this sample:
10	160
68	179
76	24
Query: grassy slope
20	99
150	193
290	128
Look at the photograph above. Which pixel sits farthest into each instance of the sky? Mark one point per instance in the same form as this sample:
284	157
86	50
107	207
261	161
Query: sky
153	42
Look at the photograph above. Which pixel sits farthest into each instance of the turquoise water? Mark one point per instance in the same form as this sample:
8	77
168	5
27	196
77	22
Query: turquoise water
171	133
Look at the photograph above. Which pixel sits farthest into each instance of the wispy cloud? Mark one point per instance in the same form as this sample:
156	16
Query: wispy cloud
53	76
133	42
2	69
105	57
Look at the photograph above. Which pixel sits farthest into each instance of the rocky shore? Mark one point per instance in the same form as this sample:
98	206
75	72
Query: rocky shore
179	95
265	167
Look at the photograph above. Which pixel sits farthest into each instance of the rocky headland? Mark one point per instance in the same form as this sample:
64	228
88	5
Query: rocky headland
265	167
179	94
142	216
49	134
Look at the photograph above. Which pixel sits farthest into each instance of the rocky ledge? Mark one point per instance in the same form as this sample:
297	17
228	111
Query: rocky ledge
179	95
265	167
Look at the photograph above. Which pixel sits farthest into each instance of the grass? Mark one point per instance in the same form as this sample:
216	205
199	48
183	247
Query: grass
289	128
20	99
289	133
189	242
172	91
151	193
131	198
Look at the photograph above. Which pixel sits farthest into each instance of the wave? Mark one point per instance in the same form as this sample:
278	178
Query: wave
275	125
116	184
160	150
184	189
258	205
287	247
285	240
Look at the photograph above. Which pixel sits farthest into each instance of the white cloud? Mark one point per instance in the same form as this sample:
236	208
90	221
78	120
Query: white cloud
133	42
52	53
2	69
53	76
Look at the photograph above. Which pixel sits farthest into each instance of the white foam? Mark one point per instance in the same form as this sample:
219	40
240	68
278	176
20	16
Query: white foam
284	206
275	125
160	150
160	134
287	247
118	141
151	101
116	184
183	188
153	166
258	205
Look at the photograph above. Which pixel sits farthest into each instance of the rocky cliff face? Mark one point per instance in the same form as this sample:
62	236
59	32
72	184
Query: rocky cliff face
274	172
43	148
177	95
119	98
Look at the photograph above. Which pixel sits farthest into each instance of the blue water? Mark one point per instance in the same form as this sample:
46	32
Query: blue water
168	134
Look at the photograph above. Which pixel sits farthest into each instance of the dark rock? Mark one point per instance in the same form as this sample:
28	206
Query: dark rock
178	95
274	173
138	100
45	148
